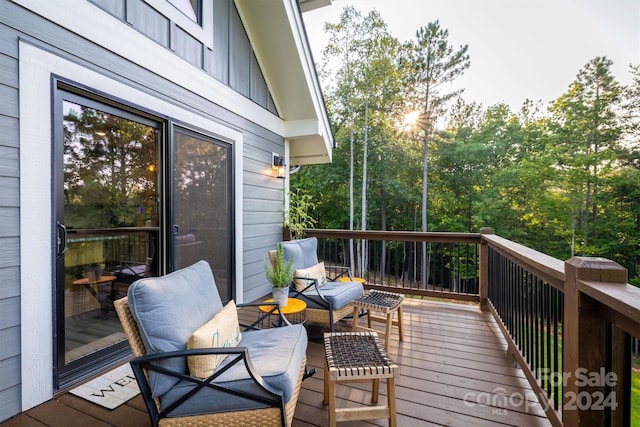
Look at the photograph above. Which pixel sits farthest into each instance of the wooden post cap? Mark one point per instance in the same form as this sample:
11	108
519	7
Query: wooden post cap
598	269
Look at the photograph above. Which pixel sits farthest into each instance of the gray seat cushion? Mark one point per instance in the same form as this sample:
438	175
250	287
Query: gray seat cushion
338	294
276	354
168	310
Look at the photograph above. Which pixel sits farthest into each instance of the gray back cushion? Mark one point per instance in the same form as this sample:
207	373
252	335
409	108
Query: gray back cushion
303	251
169	309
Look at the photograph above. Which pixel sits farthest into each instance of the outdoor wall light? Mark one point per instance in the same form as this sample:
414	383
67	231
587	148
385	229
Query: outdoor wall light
278	164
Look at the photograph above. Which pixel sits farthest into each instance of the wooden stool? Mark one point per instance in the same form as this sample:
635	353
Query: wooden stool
358	356
385	302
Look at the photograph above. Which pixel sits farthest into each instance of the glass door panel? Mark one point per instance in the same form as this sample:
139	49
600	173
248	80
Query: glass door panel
202	205
108	203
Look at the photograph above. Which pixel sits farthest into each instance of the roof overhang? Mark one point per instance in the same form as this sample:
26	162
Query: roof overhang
276	31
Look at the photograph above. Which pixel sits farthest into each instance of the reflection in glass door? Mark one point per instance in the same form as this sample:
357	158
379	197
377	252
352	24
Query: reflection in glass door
108	215
202	205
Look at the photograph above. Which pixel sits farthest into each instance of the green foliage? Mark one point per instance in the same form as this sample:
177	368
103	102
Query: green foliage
107	169
299	215
563	179
280	273
635	396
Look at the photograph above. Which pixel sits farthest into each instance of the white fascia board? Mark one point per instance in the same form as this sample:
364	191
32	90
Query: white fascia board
311	76
276	30
307	143
91	22
308	151
298	128
308	5
305	135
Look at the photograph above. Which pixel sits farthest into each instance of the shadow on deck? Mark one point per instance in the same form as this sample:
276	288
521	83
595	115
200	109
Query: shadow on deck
454	365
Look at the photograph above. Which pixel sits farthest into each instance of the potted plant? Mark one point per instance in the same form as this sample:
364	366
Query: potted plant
280	274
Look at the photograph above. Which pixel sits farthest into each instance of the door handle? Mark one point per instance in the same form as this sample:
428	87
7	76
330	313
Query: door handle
176	228
61	238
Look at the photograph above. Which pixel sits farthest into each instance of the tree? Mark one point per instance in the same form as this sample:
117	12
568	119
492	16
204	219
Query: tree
588	135
428	63
109	164
342	48
363	93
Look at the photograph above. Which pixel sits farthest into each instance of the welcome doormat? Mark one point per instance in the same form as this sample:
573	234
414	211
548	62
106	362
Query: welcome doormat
111	389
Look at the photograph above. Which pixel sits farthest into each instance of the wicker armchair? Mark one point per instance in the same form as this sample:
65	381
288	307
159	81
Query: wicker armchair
243	383
328	300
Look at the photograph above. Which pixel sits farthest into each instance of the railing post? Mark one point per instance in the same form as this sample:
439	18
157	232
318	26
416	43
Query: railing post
584	338
483	285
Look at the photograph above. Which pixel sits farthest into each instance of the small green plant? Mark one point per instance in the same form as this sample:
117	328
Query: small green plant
280	273
298	217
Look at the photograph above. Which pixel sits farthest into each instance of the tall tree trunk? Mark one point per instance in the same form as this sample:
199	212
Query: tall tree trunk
365	145
351	154
425	176
351	209
383	227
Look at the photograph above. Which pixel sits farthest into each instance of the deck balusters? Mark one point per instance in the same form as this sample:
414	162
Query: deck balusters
531	310
453	267
544	306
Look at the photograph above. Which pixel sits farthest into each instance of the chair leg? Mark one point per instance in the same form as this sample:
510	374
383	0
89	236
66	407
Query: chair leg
387	333
375	390
331	320
354	320
391	401
308	372
400	333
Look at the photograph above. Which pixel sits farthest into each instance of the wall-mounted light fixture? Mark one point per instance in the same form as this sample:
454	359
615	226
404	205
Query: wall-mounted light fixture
278	164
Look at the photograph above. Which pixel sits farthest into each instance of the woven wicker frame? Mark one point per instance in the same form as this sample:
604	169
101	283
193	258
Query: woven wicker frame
321	315
249	418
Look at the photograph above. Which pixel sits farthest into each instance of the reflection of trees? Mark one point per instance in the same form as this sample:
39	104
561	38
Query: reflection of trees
110	169
201	182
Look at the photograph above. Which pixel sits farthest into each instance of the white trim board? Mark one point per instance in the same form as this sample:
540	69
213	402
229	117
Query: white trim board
143	51
36	66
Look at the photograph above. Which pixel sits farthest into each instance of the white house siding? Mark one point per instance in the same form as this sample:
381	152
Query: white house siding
261	206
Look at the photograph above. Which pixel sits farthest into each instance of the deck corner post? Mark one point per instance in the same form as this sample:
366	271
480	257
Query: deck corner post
483	285
585	341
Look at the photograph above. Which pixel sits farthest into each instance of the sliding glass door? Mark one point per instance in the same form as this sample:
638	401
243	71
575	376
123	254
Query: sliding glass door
134	196
107	218
202	226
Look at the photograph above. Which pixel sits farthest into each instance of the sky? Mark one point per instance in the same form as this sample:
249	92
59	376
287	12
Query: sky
519	49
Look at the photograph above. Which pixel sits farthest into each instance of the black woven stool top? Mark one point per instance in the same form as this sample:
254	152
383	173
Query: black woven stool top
379	300
357	354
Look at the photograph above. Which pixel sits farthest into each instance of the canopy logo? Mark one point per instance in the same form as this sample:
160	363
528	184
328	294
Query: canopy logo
502	401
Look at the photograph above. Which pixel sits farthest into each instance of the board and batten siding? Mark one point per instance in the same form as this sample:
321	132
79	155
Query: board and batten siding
230	60
263	198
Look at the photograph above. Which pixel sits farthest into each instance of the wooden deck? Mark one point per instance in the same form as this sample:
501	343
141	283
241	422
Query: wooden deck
454	368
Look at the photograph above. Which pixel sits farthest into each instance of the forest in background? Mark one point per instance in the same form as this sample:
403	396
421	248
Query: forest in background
562	178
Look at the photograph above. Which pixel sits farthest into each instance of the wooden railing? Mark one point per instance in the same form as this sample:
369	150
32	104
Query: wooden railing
568	324
392	259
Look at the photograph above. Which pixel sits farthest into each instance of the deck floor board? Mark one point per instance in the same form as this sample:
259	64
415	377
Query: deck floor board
454	370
